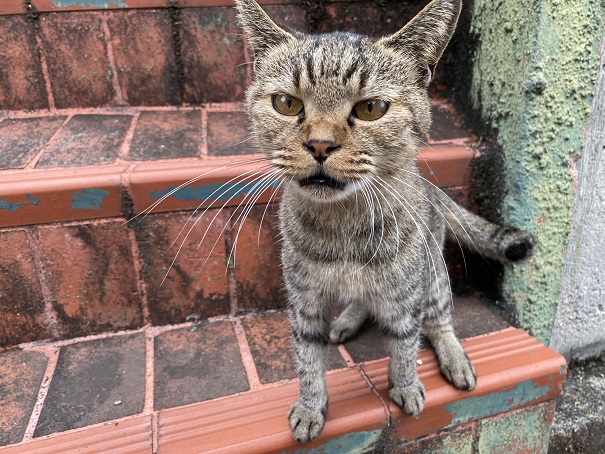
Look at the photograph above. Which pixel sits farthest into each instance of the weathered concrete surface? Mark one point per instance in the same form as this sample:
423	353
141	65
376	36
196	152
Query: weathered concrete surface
533	74
579	330
579	425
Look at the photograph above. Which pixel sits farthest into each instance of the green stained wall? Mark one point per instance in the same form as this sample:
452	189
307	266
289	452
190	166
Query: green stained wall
534	67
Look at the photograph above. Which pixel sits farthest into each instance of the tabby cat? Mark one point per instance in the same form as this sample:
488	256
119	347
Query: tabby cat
340	117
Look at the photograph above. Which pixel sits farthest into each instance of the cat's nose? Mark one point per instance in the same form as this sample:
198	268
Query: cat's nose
321	149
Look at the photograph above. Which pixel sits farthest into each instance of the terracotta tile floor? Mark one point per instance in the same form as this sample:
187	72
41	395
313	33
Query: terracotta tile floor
52	387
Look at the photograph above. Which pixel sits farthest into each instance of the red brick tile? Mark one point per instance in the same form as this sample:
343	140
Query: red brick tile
76	55
87	140
132	436
193	285
95	381
21	81
212	54
227	134
197	364
145	57
160	135
21	376
290	16
21	300
22	139
91	278
12	7
270	342
257	261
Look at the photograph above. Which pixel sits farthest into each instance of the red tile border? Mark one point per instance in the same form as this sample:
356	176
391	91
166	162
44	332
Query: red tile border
12	7
513	370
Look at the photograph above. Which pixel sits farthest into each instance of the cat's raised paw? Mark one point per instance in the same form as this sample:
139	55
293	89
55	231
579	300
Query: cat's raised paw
306	424
409	398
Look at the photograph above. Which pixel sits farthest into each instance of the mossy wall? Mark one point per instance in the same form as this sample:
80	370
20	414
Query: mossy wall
533	67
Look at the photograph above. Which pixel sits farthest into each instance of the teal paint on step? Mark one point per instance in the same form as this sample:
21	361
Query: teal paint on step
353	443
219	192
89	3
88	199
492	403
9	206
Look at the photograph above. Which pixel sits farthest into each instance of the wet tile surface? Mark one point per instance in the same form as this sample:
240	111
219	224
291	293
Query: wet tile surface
22	139
207	33
95	381
91	278
145	58
87	140
196	283
21	376
271	346
197	364
21	299
258	272
21	81
161	135
227	134
76	55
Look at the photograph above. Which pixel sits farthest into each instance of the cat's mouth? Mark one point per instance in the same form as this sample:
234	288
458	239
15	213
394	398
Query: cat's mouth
321	179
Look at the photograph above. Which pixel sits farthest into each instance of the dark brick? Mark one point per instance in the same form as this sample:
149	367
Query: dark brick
192	285
145	57
270	342
87	140
95	381
22	139
444	125
459	441
21	376
227	134
258	271
21	300
160	135
76	55
91	278
197	364
21	81
212	54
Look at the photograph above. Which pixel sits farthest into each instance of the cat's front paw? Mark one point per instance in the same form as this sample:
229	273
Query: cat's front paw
459	371
306	424
409	398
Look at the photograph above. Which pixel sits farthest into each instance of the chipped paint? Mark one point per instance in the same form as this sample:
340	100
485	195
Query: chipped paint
220	192
353	443
104	4
88	199
493	403
11	206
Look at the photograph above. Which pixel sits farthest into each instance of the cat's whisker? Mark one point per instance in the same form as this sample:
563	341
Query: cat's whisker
275	191
397	235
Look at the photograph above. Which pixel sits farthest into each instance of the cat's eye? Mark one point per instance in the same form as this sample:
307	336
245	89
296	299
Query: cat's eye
287	105
370	109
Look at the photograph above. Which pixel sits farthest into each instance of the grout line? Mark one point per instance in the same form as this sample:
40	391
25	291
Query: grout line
118	96
44	68
53	357
249	59
32	163
345	355
387	410
225	107
50	315
204	134
142	286
149	373
231	279
125	148
155	433
246	354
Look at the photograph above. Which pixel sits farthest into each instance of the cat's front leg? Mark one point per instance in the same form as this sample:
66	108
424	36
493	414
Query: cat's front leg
310	331
402	333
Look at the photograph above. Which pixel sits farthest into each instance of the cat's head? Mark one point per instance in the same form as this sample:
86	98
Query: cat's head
333	111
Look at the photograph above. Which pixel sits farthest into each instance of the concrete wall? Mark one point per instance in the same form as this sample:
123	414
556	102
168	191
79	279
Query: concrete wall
534	66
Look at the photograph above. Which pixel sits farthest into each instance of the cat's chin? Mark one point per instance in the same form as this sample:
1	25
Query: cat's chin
324	189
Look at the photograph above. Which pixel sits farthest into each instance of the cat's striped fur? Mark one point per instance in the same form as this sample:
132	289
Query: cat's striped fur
361	228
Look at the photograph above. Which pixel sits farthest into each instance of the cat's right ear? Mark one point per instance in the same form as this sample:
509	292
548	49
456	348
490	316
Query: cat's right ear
262	33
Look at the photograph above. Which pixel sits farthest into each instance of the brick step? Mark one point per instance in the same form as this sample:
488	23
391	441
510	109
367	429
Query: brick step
76	165
155	394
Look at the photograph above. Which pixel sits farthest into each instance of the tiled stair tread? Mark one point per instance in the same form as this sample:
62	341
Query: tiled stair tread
514	371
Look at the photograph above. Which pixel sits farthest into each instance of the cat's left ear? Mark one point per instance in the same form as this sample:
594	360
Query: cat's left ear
261	31
427	34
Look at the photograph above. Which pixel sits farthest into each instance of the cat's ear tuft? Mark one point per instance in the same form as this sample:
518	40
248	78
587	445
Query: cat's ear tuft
262	33
426	35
